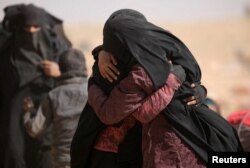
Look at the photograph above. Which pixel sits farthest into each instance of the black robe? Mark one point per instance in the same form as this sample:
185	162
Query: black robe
21	76
128	35
131	38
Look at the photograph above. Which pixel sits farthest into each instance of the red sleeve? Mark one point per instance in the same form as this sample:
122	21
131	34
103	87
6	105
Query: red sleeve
156	102
128	97
123	99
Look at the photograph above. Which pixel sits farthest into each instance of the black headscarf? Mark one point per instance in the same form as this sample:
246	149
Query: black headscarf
26	50
129	36
132	39
20	15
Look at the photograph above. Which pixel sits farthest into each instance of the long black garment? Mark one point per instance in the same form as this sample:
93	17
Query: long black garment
131	38
128	31
21	76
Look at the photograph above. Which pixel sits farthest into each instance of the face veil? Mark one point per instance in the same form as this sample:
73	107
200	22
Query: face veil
152	46
127	36
28	49
128	31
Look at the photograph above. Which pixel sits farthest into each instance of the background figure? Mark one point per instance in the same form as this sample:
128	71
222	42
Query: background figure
148	45
241	122
61	108
213	105
29	36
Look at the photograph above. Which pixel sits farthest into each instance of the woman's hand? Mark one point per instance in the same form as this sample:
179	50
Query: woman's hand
199	96
28	104
107	66
51	68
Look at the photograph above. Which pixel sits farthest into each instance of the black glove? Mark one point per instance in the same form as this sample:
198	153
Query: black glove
179	72
200	93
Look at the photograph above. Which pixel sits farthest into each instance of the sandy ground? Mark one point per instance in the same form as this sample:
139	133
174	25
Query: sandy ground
222	48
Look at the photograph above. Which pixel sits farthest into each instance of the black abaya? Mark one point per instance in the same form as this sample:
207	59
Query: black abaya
127	35
21	76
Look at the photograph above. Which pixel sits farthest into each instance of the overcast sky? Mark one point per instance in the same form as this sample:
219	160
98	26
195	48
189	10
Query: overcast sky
158	10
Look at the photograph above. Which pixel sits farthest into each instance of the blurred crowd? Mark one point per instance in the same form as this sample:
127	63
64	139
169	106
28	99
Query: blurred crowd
43	89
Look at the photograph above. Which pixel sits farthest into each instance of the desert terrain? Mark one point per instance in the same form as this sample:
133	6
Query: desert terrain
221	47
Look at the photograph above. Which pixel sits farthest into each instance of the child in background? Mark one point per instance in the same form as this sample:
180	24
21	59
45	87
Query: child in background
61	108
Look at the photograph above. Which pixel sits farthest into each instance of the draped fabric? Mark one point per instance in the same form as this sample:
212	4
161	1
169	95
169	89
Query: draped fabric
21	75
28	49
128	35
132	39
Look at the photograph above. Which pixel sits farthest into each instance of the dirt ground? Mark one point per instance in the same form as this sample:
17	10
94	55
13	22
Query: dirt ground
222	48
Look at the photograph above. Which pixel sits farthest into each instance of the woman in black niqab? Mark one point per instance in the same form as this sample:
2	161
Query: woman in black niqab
129	36
30	48
132	39
21	75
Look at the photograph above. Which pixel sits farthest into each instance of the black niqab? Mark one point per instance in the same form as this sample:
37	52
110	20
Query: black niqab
132	39
28	49
128	34
127	37
21	76
31	15
18	16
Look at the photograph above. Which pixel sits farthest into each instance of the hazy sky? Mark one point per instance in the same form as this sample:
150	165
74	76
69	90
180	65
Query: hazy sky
158	10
